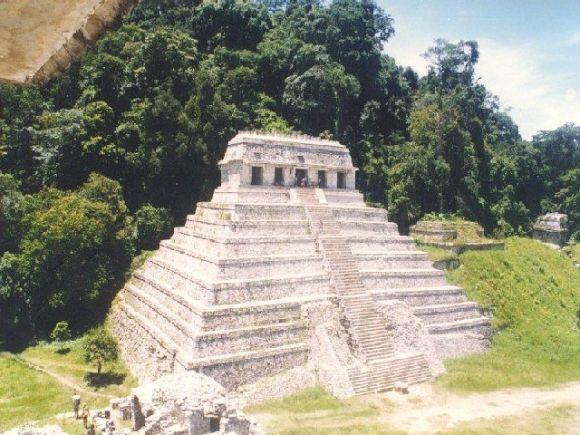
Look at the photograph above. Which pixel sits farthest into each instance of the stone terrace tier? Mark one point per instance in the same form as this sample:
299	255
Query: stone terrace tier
227	294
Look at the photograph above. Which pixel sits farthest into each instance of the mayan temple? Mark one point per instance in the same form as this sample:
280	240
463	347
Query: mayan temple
288	268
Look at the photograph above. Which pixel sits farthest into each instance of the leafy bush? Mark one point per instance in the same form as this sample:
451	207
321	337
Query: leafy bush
153	224
61	332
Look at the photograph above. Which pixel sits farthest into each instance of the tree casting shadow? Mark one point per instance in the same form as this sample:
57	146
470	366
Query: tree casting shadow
100	380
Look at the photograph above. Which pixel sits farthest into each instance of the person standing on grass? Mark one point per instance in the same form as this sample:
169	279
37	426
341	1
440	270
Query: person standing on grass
85	415
76	402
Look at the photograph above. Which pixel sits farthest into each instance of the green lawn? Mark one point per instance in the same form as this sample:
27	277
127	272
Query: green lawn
573	251
534	293
73	366
313	411
28	395
556	420
436	254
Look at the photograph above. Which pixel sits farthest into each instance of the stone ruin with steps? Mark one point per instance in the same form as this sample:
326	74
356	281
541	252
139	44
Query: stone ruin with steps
287	279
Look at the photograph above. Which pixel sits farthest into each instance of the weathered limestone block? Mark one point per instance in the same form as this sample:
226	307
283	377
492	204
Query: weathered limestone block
552	229
148	358
288	382
435	231
192	404
410	334
332	355
456	237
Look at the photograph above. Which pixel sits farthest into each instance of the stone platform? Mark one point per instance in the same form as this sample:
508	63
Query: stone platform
267	278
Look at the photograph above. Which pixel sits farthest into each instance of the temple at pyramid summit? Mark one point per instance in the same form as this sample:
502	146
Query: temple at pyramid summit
287	271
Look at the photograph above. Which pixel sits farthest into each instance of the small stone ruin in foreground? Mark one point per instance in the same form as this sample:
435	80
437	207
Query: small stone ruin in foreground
552	229
286	279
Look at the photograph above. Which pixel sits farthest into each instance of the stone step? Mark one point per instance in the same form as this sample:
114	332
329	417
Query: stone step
418	296
354	304
254	337
271	288
238	368
229	291
239	315
403	278
459	343
375	341
475	325
245	266
443	313
156	334
167	322
372	350
230	247
174	286
382	375
246	227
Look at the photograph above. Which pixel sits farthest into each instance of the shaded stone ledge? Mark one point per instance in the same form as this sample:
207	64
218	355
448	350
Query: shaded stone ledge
225	262
248	356
226	284
245	240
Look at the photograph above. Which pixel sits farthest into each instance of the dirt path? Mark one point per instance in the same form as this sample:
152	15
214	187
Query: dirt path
428	408
59	378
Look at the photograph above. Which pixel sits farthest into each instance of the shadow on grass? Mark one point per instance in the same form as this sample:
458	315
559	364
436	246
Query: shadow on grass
100	380
63	350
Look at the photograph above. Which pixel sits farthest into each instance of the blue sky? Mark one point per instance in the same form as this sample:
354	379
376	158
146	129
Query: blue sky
529	50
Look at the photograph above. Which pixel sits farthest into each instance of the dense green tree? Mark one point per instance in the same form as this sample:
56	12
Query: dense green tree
11	212
559	152
317	99
567	200
100	347
72	253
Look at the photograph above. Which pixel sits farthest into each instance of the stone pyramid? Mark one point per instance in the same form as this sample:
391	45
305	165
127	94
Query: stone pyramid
287	267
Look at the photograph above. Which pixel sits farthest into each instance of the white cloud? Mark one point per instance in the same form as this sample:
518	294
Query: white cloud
518	74
409	52
570	95
575	38
536	98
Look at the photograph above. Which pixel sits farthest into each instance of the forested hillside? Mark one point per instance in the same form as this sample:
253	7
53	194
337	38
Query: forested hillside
150	110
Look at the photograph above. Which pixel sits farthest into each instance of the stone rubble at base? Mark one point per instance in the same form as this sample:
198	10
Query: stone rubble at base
176	404
31	430
551	229
270	287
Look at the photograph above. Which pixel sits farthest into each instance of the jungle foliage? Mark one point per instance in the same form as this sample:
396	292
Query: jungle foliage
151	108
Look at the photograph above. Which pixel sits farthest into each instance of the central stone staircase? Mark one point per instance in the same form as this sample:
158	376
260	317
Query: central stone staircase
365	325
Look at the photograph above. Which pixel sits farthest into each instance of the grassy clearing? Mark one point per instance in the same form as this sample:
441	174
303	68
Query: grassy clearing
556	420
72	366
29	395
534	293
313	411
437	254
26	394
573	251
